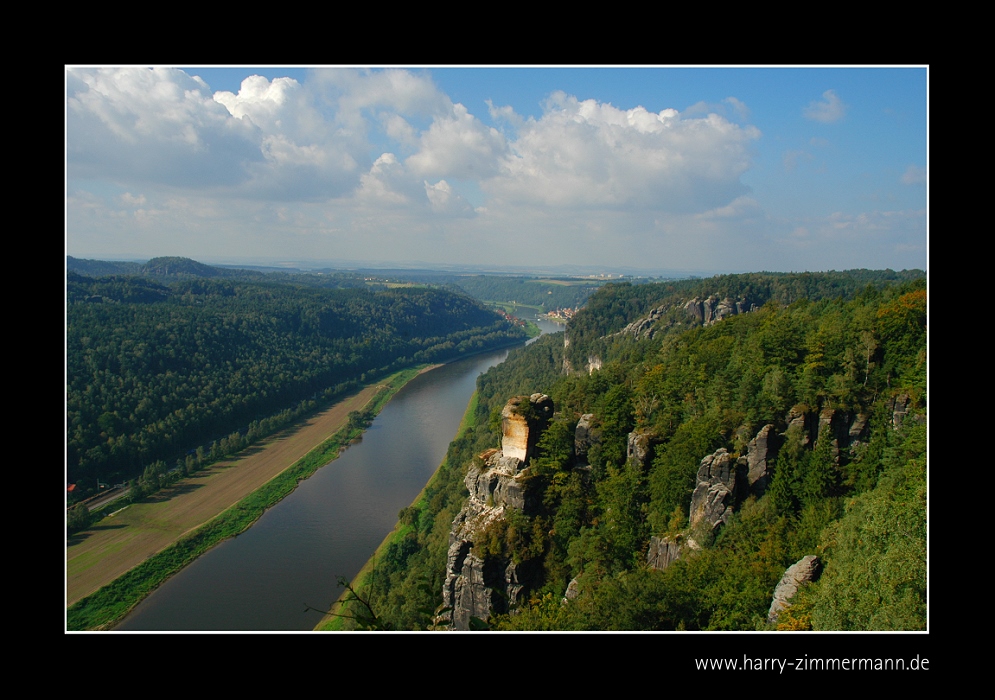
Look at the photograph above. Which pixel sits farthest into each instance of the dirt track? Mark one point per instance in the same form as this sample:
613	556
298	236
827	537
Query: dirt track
99	555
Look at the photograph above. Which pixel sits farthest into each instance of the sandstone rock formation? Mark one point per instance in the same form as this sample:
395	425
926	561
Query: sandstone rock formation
639	446
585	437
712	310
573	590
759	459
522	420
644	327
702	312
843	429
804	570
664	551
715	494
476	584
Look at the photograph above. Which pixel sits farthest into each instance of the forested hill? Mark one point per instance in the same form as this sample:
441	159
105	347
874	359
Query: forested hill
156	368
618	305
163	267
166	269
707	436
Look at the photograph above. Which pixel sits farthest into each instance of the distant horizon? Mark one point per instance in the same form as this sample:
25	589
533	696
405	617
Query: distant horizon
657	168
276	264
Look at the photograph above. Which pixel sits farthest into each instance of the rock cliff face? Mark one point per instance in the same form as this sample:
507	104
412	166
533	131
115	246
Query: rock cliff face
479	584
843	429
640	446
586	435
715	494
723	482
760	454
712	310
664	551
701	312
593	363
523	418
720	485
804	570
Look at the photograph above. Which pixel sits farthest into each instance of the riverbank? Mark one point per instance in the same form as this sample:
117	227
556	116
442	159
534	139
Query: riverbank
158	539
343	610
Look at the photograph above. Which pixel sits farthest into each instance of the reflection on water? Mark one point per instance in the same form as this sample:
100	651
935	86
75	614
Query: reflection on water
329	526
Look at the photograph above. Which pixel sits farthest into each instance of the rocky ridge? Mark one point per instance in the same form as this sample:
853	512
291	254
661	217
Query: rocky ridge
702	312
478	584
723	482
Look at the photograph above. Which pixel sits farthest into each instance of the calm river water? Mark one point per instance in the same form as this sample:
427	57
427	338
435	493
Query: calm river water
329	527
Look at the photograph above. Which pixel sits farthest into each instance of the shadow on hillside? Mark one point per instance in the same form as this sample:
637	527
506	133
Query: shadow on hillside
84	535
179	490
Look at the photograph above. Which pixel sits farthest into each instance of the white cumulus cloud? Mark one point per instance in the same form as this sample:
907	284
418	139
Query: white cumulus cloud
830	109
165	127
458	145
151	124
592	154
445	201
388	184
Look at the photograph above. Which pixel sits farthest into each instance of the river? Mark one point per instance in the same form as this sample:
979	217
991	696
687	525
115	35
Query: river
329	526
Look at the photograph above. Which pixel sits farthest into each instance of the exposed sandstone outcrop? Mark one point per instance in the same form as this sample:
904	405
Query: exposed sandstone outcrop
858	429
640	445
573	590
644	327
712	310
585	437
844	430
522	420
804	570
664	551
703	312
715	494
759	460
463	590
478	584
722	482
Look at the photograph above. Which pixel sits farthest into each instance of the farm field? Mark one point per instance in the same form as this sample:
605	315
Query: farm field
97	556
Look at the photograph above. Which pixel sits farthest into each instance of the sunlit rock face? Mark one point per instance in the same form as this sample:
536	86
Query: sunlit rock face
514	431
712	310
715	493
640	447
801	572
522	419
479	584
664	551
760	455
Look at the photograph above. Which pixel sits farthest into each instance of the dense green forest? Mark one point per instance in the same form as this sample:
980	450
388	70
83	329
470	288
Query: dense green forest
834	362
175	358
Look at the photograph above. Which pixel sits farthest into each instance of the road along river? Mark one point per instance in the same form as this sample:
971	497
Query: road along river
329	527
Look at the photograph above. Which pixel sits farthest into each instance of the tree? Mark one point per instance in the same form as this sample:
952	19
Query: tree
875	577
362	613
78	518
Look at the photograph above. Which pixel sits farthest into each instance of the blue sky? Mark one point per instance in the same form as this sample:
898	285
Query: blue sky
697	170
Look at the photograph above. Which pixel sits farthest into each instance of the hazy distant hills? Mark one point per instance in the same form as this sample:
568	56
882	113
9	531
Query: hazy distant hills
163	267
99	268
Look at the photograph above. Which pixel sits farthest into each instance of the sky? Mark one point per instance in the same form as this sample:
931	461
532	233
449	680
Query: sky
695	170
